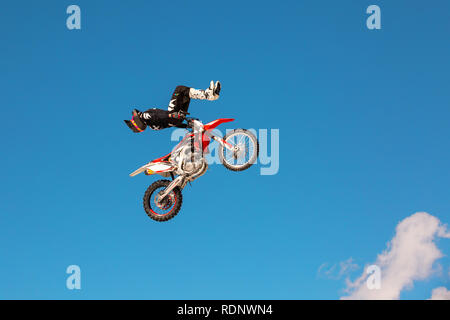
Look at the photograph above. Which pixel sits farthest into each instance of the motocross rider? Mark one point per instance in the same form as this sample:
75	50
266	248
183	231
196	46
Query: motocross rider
158	119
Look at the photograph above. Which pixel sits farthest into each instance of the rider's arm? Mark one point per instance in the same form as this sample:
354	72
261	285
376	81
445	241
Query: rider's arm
176	120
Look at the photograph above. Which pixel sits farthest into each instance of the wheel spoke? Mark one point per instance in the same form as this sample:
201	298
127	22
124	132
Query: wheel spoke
242	138
245	152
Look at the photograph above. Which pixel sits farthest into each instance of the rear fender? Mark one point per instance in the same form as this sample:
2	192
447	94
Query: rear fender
154	167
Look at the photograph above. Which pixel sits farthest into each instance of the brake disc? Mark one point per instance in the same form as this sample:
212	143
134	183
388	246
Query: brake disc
165	203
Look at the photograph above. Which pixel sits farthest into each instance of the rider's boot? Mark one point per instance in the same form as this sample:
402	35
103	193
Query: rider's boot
212	93
136	124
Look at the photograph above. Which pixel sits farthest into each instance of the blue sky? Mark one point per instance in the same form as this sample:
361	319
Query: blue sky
364	143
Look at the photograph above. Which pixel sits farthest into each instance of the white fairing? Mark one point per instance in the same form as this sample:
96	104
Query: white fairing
157	167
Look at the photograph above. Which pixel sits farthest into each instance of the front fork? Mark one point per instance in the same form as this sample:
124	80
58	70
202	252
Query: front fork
229	146
179	181
224	143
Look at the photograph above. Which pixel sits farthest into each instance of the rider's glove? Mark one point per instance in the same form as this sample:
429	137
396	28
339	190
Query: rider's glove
177	115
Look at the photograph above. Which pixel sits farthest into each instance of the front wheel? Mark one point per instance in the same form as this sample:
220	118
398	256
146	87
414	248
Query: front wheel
166	208
243	152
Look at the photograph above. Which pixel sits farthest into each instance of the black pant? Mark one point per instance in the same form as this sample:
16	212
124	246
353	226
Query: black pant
158	119
180	99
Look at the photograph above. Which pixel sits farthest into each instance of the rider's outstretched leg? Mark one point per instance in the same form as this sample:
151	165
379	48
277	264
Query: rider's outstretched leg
182	96
180	99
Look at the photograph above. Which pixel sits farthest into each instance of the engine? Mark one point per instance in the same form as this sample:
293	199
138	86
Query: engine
187	162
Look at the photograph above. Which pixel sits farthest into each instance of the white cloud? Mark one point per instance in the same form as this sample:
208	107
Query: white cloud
409	256
440	293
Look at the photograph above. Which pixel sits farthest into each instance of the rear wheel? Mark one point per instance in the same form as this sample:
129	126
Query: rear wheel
244	152
165	209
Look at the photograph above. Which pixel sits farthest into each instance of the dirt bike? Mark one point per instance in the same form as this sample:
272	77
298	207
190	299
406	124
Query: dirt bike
238	150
